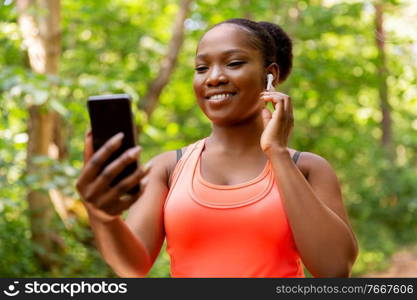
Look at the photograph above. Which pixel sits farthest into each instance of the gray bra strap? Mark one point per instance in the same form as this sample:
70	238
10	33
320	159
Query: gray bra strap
296	156
179	154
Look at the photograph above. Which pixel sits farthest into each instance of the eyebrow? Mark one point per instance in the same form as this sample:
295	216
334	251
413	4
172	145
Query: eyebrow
225	53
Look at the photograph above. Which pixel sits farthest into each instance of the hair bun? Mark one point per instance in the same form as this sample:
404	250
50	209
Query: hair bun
274	44
283	46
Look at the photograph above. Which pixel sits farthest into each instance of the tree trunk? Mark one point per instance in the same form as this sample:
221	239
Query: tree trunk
386	124
168	62
39	24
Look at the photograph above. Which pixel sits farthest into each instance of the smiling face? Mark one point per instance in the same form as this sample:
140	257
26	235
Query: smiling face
229	75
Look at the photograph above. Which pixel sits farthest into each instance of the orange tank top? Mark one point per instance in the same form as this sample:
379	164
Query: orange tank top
227	230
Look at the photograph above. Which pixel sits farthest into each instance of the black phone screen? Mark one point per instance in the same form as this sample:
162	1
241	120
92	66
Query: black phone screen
109	115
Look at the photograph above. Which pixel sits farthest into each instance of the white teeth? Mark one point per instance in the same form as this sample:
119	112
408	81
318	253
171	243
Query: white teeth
220	97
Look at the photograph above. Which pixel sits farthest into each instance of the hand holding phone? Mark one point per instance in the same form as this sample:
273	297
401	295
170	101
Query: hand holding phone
110	178
110	115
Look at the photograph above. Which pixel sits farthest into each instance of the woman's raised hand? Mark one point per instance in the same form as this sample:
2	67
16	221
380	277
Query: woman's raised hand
102	200
277	125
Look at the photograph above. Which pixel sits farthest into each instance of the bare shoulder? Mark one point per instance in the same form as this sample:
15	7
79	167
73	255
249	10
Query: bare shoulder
154	185
311	164
323	180
163	164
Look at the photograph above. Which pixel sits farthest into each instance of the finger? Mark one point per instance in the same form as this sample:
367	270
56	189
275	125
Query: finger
88	149
289	110
124	203
88	152
266	116
271	97
274	98
147	167
266	99
279	109
113	169
276	95
96	162
143	172
145	180
120	189
143	183
287	102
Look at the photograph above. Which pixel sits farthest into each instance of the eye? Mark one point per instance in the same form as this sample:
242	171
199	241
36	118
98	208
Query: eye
200	69
236	63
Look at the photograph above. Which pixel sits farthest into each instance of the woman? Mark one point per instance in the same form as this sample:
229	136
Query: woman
239	203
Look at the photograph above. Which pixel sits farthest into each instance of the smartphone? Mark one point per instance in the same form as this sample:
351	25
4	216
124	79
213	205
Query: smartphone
109	115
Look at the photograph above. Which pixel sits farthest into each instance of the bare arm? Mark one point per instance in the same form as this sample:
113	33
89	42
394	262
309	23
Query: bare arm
130	247
315	210
125	253
316	214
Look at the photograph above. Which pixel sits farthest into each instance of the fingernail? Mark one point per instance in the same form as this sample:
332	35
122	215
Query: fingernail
133	153
116	138
147	166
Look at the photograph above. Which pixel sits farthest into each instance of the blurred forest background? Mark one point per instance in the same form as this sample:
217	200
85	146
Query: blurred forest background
353	87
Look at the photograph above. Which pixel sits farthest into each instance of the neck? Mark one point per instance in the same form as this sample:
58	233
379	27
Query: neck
238	138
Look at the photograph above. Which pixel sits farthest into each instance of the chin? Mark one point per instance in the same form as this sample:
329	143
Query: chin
230	117
227	121
220	121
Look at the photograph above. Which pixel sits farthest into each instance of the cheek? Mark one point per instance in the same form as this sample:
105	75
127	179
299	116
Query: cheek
252	79
260	82
198	92
252	93
197	86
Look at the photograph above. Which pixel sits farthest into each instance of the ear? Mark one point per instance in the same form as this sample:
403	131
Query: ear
274	70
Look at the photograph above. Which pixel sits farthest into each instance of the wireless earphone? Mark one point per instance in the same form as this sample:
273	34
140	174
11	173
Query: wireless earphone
270	78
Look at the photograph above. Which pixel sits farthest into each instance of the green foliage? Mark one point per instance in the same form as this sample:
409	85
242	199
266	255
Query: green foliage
117	47
80	258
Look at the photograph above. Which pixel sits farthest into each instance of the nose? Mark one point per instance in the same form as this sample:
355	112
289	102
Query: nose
216	77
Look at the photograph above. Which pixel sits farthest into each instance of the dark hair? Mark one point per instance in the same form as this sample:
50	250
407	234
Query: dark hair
273	42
